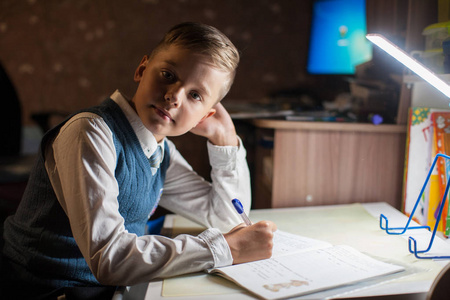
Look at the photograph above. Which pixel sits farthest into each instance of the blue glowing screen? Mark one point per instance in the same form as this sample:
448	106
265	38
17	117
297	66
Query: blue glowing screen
338	37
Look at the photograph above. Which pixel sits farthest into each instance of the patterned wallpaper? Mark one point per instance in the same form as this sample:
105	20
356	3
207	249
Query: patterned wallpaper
68	54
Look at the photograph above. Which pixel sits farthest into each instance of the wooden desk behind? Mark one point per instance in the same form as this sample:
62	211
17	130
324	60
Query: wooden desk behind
320	163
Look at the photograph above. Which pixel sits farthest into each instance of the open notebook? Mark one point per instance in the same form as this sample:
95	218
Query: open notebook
301	265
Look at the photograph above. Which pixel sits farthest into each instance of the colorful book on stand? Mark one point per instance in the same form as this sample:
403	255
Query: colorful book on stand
419	155
447	173
435	187
417	160
441	129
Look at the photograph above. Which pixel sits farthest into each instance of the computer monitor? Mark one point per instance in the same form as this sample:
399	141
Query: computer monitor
338	37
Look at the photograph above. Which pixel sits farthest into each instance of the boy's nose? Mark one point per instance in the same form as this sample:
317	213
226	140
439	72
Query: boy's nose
173	96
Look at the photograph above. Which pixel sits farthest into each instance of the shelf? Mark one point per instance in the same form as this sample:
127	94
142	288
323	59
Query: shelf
329	126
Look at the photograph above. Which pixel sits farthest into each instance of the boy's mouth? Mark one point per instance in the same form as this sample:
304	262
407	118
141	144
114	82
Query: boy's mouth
163	114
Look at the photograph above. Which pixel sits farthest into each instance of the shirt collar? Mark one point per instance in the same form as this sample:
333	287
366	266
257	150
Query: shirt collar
146	138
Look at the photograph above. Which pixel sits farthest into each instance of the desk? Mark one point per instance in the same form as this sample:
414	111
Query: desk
323	163
351	224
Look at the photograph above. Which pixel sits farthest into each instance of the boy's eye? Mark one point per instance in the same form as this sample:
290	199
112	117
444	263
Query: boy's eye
196	96
167	75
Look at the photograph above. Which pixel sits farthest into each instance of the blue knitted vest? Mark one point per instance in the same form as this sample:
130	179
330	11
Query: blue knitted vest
38	237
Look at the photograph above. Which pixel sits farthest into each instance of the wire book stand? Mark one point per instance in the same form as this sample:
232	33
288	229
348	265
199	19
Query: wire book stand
412	243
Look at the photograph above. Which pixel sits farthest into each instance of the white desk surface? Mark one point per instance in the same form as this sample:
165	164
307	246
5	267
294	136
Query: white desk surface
377	243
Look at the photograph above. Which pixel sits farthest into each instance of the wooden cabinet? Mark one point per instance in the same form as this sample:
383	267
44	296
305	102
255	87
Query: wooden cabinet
318	163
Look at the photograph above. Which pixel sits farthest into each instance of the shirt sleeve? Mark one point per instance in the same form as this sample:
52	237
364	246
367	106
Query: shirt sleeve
80	164
188	194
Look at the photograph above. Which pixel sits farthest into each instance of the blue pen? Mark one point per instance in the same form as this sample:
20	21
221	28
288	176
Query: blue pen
240	209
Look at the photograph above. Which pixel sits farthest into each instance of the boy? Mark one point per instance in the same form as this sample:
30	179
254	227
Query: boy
101	173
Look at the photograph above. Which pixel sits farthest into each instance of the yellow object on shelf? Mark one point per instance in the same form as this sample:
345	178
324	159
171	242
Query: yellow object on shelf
435	34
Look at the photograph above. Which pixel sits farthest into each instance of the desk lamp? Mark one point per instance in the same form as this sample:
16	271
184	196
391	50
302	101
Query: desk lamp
410	62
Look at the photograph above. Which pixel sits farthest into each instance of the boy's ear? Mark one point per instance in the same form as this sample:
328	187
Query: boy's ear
140	69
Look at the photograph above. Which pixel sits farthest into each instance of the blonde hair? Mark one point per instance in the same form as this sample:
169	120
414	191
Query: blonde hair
206	40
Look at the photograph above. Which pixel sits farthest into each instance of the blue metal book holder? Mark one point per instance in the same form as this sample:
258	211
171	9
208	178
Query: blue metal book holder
412	244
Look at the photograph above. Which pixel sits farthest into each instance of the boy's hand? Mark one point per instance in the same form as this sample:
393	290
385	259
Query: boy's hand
218	128
249	243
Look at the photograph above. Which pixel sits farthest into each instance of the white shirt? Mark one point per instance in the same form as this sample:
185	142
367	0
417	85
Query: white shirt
81	164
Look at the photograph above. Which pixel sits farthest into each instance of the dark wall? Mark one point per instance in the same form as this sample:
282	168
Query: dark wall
69	54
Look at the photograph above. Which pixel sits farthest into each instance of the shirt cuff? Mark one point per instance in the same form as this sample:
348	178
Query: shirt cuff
225	157
219	247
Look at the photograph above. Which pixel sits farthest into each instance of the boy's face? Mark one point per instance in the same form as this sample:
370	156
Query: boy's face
177	89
